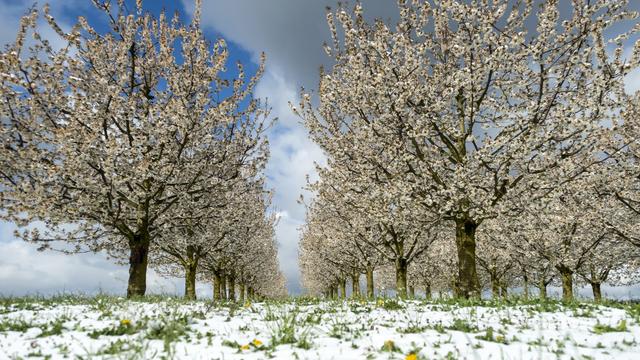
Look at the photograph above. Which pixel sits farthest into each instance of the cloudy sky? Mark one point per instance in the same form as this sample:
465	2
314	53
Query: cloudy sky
291	32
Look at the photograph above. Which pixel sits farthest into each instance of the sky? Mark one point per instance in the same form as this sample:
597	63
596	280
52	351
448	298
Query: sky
291	33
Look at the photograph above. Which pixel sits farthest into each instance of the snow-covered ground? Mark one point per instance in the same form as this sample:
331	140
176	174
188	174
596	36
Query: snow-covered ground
107	327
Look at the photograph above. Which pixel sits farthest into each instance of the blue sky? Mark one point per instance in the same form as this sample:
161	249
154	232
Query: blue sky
291	32
23	270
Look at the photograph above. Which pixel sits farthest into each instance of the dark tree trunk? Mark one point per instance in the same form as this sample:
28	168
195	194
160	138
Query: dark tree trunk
495	286
504	290
526	287
241	291
597	291
217	294
467	284
343	288
138	260
190	269
542	286
370	282
223	287
567	283
190	282
427	291
355	285
232	288
401	277
412	292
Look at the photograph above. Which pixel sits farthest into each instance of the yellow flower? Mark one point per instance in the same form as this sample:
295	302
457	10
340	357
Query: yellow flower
125	322
380	302
247	304
245	347
257	343
411	356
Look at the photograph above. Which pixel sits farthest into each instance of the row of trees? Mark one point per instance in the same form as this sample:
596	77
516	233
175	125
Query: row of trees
139	142
470	149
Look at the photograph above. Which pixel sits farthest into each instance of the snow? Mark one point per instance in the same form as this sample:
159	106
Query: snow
108	327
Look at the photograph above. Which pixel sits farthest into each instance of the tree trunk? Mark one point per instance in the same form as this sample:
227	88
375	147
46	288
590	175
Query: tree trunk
567	283
241	290
190	282
504	290
217	295
138	260
467	284
427	291
355	285
526	287
401	277
597	291
542	286
232	288
343	288
223	287
370	282
190	268
412	292
495	286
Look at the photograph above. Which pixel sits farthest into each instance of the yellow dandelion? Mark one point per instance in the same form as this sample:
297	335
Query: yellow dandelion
411	356
380	302
125	322
247	304
257	343
245	347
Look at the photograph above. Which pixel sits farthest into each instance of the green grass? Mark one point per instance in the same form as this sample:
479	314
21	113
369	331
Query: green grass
604	328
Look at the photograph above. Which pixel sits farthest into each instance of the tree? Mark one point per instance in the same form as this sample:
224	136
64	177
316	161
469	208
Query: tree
462	107
122	130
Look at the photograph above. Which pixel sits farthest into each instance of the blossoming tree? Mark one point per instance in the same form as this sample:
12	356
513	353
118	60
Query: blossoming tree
119	132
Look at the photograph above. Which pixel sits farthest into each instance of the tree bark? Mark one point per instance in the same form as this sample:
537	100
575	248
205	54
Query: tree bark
355	285
412	292
138	260
504	290
567	283
232	288
542	286
495	286
467	284
343	288
526	287
190	269
370	282
217	295
597	291
401	277
190	282
241	291
223	287
427	291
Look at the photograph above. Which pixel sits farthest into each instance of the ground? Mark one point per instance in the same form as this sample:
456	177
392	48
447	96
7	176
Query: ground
164	327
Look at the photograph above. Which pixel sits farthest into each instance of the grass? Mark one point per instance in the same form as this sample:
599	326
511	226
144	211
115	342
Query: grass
298	322
604	328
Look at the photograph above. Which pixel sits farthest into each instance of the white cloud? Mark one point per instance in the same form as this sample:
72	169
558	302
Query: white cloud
292	158
26	271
